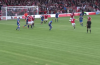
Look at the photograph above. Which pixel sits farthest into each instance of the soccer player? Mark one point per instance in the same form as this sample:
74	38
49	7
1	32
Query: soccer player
81	20
33	18
45	18
85	13
26	14
50	22
30	21
89	25
18	24
26	21
42	19
71	16
56	16
73	22
81	14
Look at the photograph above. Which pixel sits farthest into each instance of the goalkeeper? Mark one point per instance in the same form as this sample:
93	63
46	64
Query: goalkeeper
85	13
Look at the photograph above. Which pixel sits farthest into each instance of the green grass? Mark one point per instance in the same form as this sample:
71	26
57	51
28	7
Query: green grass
61	46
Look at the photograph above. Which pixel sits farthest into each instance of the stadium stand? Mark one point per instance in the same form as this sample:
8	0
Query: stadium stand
51	6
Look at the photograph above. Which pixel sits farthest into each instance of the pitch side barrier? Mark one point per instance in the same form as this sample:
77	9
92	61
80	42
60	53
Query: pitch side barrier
49	15
98	12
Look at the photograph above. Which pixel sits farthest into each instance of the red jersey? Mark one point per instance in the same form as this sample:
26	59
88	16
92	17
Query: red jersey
33	19
72	20
72	15
29	18
46	16
89	18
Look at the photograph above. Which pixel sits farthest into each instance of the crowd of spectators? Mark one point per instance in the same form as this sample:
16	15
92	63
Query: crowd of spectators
52	6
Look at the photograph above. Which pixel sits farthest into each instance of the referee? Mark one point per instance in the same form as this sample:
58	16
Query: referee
89	25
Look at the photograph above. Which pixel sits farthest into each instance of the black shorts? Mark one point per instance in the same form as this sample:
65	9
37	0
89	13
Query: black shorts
88	26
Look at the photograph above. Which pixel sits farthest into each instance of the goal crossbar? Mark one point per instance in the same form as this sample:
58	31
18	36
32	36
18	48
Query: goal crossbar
9	11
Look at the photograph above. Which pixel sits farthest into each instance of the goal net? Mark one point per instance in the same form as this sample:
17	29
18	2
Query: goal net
13	12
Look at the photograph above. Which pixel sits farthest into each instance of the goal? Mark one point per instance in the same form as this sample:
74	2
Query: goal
13	12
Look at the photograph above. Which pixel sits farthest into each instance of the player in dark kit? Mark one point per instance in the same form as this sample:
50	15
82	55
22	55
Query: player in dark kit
89	25
42	19
50	25
18	24
26	19
81	20
56	16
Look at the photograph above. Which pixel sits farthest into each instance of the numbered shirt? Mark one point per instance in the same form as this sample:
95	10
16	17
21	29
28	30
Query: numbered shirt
72	20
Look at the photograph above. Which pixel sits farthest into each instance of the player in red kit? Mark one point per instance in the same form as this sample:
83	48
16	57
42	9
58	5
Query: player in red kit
45	18
33	18
73	22
73	13
71	16
30	21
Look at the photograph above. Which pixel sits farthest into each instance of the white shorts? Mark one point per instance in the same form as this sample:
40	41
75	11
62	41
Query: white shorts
46	19
70	18
73	24
30	22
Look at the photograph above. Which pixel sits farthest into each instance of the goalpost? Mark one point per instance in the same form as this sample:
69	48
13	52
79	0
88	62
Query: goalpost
13	12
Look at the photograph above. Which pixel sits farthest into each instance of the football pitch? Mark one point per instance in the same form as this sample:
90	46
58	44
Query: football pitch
61	46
